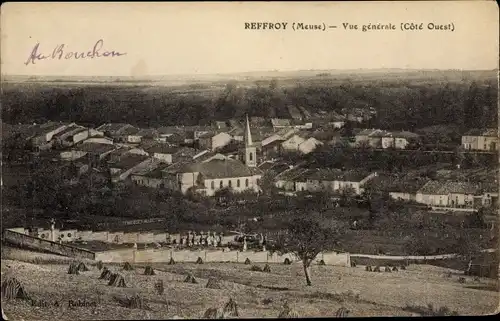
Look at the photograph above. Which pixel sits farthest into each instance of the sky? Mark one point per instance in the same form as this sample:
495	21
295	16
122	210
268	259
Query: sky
209	38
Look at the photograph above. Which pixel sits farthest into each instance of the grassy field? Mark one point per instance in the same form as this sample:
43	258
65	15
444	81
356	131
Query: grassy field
257	294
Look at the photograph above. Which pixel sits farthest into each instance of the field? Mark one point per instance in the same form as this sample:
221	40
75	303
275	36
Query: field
257	294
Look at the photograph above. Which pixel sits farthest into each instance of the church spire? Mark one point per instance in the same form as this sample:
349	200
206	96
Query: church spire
248	134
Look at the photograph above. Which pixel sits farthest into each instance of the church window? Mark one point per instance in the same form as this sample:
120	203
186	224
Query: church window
221	184
212	185
230	183
238	183
251	156
246	182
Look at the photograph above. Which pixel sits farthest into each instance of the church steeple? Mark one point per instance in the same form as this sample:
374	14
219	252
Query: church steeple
248	134
250	151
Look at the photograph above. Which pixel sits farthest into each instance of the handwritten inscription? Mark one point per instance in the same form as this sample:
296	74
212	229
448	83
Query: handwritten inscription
60	52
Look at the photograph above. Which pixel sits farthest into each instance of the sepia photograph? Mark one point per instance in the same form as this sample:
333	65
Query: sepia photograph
217	160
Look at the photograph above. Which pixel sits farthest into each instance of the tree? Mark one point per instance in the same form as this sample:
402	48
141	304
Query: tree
306	239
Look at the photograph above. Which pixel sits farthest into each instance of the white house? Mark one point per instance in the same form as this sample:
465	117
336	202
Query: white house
292	143
214	141
309	145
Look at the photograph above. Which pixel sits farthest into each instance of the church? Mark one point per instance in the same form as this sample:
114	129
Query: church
219	172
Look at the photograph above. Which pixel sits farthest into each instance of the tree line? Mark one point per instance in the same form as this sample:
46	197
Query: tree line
399	105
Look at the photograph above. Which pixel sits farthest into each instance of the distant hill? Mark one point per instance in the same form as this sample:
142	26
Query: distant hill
260	75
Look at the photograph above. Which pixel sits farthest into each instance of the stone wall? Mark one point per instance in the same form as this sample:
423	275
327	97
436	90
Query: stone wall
36	243
164	255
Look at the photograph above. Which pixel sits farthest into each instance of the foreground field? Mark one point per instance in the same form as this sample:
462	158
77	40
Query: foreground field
257	294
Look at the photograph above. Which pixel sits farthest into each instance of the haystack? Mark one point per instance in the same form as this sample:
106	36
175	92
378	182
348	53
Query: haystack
117	280
13	289
266	268
231	309
133	302
213	313
100	265
149	271
199	260
171	262
127	267
342	313
255	268
159	287
287	312
368	268
190	279
287	261
82	267
213	283
395	269
247	261
105	274
73	268
376	269
387	269
322	262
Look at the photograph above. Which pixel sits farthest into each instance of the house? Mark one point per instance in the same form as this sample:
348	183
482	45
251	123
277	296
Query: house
398	140
480	139
162	152
214	141
127	164
71	135
336	120
273	149
184	154
149	176
335	180
130	135
210	176
292	143
450	194
359	114
95	151
288	179
40	136
278	123
147	134
100	139
309	145
370	137
406	188
115	130
171	154
281	134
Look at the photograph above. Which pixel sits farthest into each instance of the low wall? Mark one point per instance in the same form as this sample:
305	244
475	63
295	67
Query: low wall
164	255
36	243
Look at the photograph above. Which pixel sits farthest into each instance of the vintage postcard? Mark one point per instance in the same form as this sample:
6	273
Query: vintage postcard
249	160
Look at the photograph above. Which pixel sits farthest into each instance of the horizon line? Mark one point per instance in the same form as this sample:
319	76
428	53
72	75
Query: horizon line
256	71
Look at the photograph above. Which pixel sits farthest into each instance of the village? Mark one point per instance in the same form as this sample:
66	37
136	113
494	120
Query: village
237	154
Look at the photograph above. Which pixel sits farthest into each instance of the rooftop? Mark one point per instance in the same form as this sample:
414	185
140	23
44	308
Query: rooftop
129	161
96	148
337	175
73	129
217	168
444	188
